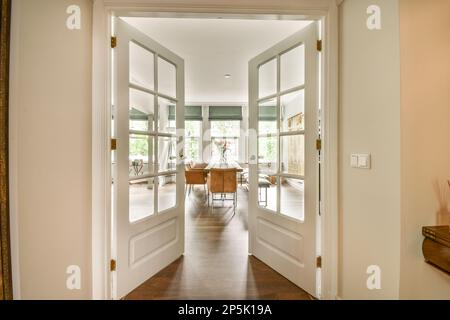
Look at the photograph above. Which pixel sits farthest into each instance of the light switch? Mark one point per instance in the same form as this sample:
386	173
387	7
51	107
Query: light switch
360	161
354	161
364	161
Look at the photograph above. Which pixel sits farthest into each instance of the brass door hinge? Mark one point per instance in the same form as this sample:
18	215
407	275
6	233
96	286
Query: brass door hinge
319	262
113	144
113	265
113	42
319	45
319	144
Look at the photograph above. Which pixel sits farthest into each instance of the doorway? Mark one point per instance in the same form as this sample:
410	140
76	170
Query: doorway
119	42
149	103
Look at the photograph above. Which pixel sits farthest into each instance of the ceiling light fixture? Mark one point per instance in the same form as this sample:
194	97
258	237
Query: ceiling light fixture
227	76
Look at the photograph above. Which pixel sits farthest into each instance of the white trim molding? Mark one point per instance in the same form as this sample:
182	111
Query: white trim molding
329	185
326	10
101	156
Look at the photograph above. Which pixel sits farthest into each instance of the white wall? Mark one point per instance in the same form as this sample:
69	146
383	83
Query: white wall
369	122
51	132
425	140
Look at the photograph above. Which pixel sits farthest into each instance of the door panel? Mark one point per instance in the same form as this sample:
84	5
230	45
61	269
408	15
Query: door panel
284	123
149	217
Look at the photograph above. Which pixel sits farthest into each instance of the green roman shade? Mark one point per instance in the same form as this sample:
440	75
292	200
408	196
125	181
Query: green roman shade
135	114
191	113
267	113
229	113
172	113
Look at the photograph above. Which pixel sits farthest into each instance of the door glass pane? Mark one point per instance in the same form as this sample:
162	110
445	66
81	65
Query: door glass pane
268	155
141	111
293	68
293	112
167	116
292	194
267	191
141	156
167	78
267	128
267	123
167	154
167	192
141	199
142	67
293	155
268	78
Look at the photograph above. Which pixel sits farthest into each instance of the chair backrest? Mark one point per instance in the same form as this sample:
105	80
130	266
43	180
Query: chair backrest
194	176
216	180
223	180
230	180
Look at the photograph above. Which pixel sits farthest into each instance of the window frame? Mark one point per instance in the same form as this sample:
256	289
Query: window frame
231	137
197	138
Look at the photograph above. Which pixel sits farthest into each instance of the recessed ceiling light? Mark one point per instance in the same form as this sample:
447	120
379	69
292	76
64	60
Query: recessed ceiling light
227	76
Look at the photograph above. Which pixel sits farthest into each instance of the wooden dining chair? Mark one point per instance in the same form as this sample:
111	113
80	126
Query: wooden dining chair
223	182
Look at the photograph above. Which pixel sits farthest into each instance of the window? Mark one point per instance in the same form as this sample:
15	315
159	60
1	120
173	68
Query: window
225	134
193	134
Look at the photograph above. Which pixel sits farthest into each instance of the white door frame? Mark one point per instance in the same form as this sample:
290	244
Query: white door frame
324	10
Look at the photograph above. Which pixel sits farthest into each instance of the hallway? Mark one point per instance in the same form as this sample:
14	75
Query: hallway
216	264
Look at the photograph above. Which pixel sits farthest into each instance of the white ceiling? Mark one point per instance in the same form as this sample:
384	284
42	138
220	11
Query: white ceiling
212	48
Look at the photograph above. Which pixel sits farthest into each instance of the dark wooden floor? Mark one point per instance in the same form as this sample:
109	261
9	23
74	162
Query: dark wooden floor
216	264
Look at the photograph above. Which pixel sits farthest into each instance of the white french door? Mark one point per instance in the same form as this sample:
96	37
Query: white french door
284	128
149	213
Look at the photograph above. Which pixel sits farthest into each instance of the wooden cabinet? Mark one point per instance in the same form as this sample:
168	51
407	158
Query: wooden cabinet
436	247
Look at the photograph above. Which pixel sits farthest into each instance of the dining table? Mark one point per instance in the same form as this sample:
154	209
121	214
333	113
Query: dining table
224	165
